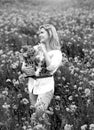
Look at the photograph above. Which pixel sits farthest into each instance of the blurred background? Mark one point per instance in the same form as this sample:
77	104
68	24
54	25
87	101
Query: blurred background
53	4
73	101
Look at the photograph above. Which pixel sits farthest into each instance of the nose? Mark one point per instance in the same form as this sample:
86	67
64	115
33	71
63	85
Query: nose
40	36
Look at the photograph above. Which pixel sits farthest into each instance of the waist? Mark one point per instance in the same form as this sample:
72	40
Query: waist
37	77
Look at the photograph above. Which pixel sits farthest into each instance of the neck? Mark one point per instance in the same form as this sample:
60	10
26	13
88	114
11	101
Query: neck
47	46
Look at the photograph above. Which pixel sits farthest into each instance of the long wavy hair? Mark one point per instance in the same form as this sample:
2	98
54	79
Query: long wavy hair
53	36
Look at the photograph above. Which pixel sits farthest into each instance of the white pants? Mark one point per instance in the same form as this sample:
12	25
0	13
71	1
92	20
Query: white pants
41	101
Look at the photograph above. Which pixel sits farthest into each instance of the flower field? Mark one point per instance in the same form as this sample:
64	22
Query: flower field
72	107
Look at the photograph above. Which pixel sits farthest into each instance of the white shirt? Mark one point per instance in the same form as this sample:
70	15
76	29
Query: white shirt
42	85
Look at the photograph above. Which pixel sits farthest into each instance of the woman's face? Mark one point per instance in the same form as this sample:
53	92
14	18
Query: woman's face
43	35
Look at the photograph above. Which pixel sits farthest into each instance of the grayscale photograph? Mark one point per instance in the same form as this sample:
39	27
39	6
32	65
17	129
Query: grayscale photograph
46	65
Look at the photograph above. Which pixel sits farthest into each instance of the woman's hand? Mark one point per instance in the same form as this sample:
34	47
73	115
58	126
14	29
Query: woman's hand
42	48
28	70
46	56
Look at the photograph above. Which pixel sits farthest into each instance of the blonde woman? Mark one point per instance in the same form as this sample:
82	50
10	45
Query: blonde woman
41	89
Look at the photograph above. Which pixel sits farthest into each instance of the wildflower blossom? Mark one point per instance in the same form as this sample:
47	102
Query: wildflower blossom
8	80
57	97
80	88
91	83
6	106
57	107
76	59
14	65
73	108
19	95
25	101
72	68
91	127
67	109
22	78
5	92
84	127
3	56
87	92
24	127
1	52
63	78
15	107
68	127
75	86
70	98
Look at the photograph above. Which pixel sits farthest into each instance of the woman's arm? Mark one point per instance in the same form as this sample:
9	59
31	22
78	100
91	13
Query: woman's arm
56	61
46	56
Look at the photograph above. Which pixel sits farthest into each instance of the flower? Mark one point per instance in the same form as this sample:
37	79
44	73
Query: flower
70	98
80	88
39	127
87	92
67	109
34	57
14	65
19	95
22	78
73	108
24	101
8	80
76	59
75	86
91	83
24	127
28	54
6	106
68	127
16	82
71	68
1	52
57	97
57	107
5	92
91	127
84	127
15	107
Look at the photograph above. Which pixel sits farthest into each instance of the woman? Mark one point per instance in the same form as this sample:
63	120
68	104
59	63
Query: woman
41	89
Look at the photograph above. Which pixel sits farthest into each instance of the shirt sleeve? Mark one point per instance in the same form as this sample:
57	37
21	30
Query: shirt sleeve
56	60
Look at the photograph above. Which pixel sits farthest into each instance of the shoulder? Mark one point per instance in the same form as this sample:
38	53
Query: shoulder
55	52
56	55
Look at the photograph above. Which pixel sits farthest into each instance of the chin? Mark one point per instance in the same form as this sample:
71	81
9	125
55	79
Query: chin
42	42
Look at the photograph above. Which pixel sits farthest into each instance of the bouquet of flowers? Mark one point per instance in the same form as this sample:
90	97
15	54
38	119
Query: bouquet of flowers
28	55
33	57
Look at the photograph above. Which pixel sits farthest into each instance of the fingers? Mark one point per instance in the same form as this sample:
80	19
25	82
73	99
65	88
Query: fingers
42	48
29	73
29	70
26	67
